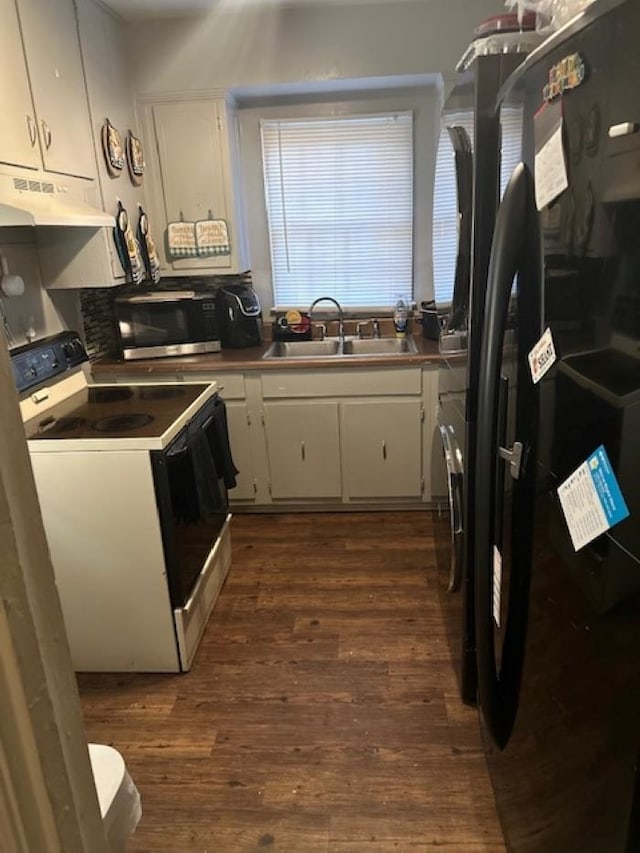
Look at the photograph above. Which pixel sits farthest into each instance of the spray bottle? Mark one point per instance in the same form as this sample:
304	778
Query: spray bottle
400	317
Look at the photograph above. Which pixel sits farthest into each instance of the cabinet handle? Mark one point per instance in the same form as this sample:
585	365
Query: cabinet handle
33	133
46	133
302	451
384	449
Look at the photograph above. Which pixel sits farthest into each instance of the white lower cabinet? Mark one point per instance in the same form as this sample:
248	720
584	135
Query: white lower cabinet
348	437
382	449
303	448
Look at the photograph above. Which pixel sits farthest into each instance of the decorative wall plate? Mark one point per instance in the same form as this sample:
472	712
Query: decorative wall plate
112	149
135	159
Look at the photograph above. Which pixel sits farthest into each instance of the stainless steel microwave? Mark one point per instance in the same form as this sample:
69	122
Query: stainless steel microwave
172	322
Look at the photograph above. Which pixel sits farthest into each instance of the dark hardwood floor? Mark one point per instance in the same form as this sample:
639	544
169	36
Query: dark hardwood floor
321	713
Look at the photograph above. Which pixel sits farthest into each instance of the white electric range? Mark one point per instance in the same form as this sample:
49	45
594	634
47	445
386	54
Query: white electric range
131	481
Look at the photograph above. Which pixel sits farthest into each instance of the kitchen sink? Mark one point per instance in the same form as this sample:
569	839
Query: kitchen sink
379	346
334	347
303	349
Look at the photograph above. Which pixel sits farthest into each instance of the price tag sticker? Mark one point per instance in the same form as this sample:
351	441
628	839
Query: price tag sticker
591	499
542	357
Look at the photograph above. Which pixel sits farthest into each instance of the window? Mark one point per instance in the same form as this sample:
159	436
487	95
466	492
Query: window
445	203
339	195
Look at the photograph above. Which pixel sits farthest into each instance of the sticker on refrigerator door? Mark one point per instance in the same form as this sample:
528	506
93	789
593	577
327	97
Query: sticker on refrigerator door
550	165
591	499
542	357
497	584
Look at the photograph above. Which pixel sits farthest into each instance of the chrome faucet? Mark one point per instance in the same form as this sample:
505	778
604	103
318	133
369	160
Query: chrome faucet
340	315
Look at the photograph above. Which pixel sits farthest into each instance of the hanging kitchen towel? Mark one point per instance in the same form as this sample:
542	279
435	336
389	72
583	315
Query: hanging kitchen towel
148	247
181	239
218	435
212	237
127	246
211	497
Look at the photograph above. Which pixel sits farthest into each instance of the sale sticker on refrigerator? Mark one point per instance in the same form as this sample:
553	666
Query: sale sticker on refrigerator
542	357
591	499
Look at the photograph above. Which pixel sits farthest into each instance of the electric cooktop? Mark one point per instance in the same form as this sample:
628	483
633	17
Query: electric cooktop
116	411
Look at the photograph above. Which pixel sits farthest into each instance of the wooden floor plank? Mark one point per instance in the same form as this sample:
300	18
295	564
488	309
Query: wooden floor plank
321	713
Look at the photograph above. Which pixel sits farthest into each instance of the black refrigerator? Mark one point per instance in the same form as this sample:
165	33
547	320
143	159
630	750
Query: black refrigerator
474	129
558	629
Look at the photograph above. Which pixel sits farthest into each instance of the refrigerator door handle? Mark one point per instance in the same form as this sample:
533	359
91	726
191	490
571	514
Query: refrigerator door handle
513	456
516	251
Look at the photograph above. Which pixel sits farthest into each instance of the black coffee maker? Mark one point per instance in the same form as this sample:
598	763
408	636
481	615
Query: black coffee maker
239	316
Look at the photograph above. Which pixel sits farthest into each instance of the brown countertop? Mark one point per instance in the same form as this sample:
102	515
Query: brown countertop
251	359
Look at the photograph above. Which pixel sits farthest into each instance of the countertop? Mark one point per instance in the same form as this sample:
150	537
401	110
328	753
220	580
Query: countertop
251	359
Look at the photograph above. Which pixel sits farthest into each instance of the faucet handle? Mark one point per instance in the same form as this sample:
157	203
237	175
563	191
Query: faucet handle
323	330
376	327
359	327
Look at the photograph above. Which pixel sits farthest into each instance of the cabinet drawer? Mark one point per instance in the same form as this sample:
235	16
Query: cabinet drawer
230	385
341	383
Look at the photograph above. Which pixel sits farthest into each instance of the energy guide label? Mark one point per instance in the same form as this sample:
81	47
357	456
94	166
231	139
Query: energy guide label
591	499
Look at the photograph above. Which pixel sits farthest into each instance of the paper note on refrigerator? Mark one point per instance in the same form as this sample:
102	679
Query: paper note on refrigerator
591	499
497	584
550	169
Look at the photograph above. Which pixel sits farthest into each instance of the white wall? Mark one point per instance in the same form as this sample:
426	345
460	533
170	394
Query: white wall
292	44
424	102
47	311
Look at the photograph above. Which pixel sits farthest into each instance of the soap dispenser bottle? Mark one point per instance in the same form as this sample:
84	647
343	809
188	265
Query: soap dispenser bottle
400	317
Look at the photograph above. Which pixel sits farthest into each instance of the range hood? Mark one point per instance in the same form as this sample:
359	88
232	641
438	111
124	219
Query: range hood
27	201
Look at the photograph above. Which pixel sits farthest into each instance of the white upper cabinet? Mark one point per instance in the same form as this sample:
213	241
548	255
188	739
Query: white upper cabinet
18	131
194	175
79	257
58	106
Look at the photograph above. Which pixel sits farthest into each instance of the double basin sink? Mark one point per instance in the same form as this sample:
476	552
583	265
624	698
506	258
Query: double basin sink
334	347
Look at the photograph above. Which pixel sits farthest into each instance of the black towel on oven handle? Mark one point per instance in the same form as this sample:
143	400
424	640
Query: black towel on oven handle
210	495
218	434
182	484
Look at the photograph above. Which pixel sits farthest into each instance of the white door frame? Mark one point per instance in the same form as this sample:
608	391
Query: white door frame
48	800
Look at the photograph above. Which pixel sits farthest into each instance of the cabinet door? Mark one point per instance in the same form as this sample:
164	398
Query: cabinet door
303	445
189	141
18	132
240	441
382	449
52	49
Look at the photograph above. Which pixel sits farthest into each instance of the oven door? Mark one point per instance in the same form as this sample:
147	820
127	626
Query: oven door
192	503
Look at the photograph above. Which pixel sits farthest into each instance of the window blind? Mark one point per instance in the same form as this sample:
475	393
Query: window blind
445	209
339	194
